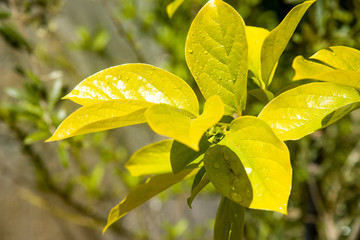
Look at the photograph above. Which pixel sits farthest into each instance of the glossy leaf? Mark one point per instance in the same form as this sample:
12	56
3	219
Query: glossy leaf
255	37
136	82
101	116
151	159
173	6
181	155
339	57
216	53
276	41
305	109
336	64
266	161
144	192
230	220
182	125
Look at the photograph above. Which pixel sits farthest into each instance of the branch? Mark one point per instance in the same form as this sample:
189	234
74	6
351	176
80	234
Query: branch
122	32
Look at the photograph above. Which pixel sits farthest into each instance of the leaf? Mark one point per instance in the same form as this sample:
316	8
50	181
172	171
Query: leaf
230	220
144	192
302	110
181	155
227	173
35	137
151	159
14	38
339	57
101	116
136	82
255	38
198	177
263	95
266	161
200	181
216	53
172	7
4	15
183	126
276	41
337	64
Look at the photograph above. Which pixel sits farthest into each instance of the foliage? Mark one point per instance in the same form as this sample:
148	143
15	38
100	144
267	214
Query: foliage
239	162
325	193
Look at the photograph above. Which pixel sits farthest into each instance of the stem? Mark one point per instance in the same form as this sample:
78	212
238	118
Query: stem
122	32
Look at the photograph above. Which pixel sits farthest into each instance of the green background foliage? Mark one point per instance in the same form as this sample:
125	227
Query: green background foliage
87	172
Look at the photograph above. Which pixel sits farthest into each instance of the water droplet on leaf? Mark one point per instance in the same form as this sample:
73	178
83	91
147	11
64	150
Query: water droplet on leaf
216	165
236	197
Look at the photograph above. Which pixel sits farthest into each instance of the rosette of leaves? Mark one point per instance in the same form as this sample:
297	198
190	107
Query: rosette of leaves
244	157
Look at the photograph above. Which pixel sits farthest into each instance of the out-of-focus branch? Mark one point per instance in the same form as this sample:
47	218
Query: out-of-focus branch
48	182
122	32
327	216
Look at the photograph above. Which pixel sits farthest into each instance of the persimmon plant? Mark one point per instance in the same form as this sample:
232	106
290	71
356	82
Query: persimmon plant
244	157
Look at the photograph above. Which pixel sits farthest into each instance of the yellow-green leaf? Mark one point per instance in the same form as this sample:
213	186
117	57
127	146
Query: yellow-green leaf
102	116
335	64
216	53
144	192
255	38
173	6
276	41
136	82
339	57
151	159
266	161
307	108
182	125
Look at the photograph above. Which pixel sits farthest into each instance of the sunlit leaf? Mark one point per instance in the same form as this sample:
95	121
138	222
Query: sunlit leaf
136	82
335	64
339	57
255	37
144	192
181	155
182	125
216	53
102	116
305	109
261	156
230	220
173	6
151	159
275	43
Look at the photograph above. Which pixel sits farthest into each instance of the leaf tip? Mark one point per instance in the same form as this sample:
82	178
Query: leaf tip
189	202
50	139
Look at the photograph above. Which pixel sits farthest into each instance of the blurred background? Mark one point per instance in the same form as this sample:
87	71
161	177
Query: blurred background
64	190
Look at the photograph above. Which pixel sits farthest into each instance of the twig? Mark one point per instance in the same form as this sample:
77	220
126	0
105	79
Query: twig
122	32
